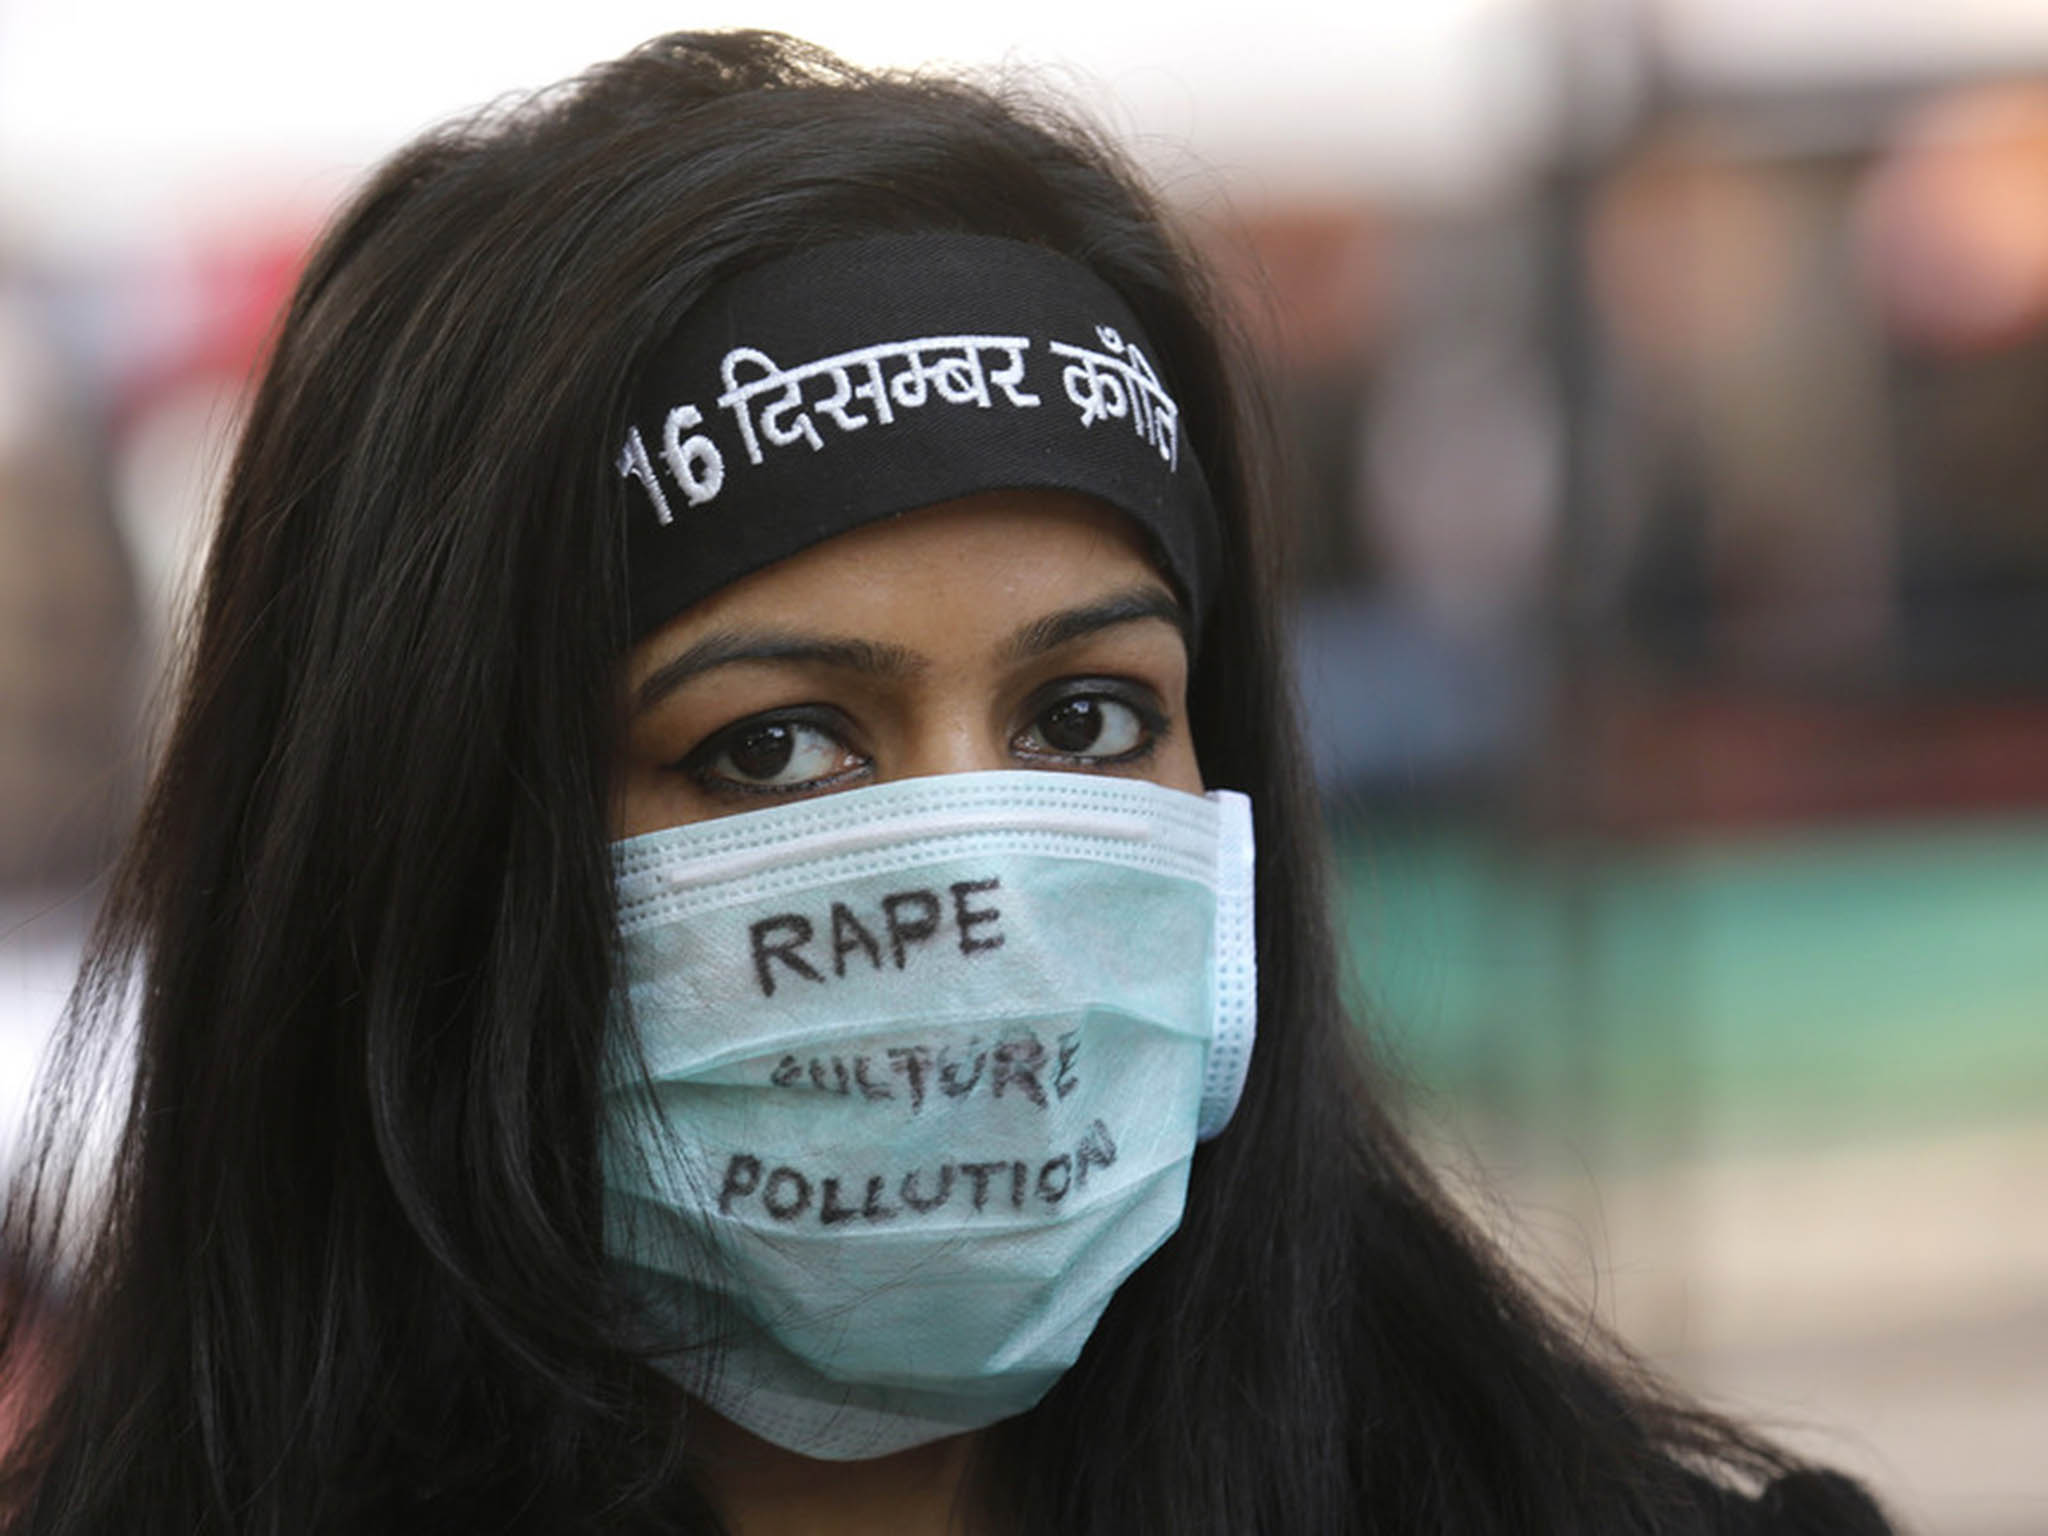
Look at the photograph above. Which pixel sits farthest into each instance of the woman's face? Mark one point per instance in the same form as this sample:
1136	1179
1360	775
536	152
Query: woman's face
1012	629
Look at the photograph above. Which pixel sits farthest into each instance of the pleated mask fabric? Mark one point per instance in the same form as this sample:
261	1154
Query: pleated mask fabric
928	1064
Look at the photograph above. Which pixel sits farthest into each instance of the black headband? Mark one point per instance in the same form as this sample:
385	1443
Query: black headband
857	380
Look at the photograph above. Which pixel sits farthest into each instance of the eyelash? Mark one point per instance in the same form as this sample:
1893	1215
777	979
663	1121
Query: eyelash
700	763
1139	700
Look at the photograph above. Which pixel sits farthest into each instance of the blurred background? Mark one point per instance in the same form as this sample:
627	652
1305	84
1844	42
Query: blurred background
1666	387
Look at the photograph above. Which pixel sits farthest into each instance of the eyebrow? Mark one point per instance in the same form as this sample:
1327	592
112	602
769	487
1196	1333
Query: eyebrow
1129	606
726	648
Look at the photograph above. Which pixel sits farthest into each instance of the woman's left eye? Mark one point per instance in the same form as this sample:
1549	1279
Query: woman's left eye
1093	728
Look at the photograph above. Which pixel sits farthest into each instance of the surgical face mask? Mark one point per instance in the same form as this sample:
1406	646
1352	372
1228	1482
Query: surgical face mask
928	1062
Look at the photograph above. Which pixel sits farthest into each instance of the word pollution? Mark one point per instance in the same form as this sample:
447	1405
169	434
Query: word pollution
792	1195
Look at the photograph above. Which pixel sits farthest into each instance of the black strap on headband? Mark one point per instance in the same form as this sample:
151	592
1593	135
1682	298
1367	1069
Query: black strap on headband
856	380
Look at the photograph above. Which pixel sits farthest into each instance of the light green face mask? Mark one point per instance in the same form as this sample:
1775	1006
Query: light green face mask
929	1061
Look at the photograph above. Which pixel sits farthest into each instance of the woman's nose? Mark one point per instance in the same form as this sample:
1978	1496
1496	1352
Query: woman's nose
950	743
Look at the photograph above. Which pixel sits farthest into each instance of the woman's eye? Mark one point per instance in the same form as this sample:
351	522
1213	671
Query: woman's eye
1093	727
772	754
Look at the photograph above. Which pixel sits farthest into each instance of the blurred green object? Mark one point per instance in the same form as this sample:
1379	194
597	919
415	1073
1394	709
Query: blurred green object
1654	999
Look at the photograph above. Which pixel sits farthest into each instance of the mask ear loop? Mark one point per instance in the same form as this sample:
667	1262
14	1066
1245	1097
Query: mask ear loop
1234	980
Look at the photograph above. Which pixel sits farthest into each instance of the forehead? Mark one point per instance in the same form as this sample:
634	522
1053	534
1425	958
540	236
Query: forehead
957	574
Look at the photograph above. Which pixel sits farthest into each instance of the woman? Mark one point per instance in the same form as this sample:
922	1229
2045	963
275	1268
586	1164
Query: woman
828	490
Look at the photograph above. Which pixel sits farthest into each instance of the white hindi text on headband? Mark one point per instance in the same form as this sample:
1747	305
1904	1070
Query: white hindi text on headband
1116	383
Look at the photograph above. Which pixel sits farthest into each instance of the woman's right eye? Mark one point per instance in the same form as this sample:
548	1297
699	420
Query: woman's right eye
773	755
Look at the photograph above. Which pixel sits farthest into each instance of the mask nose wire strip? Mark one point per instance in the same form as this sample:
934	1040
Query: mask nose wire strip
714	868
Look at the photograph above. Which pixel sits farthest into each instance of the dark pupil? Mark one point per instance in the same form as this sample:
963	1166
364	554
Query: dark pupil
763	751
1073	725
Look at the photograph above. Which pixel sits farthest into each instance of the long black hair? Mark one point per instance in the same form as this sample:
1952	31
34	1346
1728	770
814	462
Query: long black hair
347	1270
